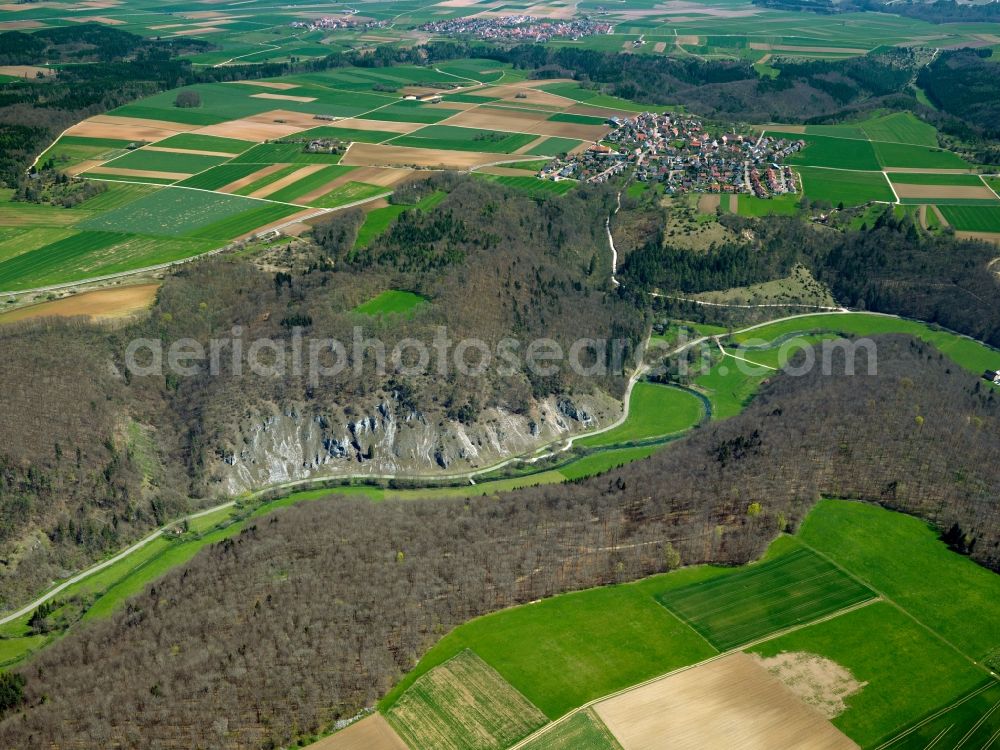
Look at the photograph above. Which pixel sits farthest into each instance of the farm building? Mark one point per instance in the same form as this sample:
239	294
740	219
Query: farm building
992	375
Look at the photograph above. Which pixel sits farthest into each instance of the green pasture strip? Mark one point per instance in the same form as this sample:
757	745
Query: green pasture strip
219	176
569	117
554	146
598	463
284	153
654	411
972	218
192	116
405	111
915	178
582	731
450	138
104	177
165	161
779	205
797	588
230	227
531	185
348	134
309	183
266	180
349	192
42	266
973	355
17	241
117	195
198	142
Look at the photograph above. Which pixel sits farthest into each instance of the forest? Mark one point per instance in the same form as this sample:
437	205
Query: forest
93	461
888	267
315	611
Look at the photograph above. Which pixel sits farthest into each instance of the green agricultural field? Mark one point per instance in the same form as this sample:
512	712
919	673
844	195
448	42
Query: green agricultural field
44	265
553	146
348	134
917	178
105	177
582	731
533	186
309	183
903	558
907	670
15	241
973	218
765	598
197	142
349	192
262	182
578	119
284	153
565	651
925	157
115	196
463	703
781	205
407	111
450	138
972	721
849	188
823	151
392	302
70	150
169	113
173	212
900	127
227	228
602	461
654	411
219	176
164	161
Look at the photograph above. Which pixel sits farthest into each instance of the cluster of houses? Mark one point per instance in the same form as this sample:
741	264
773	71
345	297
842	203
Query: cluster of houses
521	28
678	151
328	23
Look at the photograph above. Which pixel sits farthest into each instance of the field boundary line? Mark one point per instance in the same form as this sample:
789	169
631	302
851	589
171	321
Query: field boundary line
900	608
721	655
891	186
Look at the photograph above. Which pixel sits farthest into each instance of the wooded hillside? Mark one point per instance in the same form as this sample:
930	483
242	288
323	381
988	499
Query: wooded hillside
315	611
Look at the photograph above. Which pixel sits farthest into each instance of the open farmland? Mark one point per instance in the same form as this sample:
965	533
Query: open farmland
973	218
731	702
842	186
250	140
656	410
582	731
971	721
766	598
447	137
463	704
